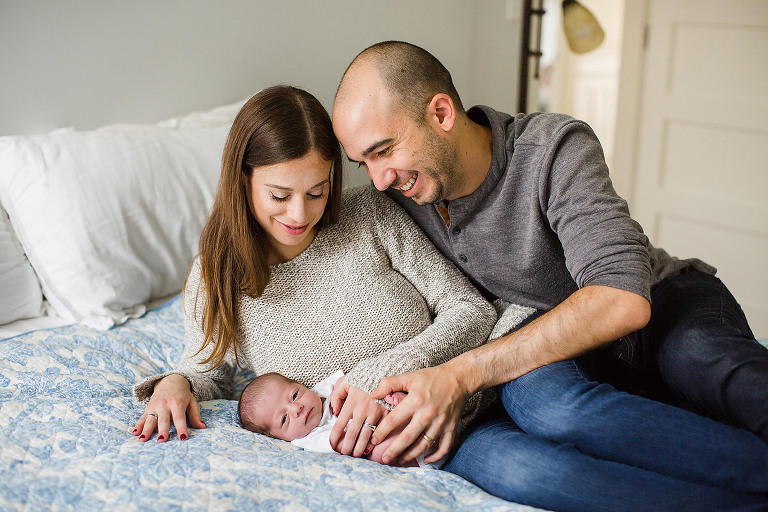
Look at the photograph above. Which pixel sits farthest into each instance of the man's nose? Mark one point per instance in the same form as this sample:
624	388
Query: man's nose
381	176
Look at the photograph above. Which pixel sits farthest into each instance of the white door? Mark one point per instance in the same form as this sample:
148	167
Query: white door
701	173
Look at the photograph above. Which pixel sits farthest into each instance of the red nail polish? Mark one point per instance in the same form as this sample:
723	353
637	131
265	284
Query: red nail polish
134	430
160	438
142	436
183	437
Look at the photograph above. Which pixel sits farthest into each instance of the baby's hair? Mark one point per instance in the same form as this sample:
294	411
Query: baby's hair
250	399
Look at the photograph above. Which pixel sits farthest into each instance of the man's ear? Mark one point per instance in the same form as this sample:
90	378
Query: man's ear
441	111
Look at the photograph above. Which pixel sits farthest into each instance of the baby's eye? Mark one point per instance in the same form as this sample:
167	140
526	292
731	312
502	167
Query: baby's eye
295	394
278	198
285	418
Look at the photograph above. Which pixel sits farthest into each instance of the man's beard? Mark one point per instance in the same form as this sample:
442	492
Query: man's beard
441	156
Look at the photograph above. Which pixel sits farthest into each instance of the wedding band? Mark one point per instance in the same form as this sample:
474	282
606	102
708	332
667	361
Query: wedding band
372	427
427	439
152	414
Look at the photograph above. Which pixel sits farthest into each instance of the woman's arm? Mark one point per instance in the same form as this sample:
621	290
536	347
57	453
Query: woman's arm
172	397
462	320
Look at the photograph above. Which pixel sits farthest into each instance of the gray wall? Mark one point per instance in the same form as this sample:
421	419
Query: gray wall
85	63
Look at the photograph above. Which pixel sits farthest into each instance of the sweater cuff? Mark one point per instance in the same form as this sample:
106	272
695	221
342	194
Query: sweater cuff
142	391
510	316
367	376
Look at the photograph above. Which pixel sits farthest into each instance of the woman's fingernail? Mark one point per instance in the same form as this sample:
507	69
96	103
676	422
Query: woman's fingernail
142	436
183	437
135	430
160	438
367	451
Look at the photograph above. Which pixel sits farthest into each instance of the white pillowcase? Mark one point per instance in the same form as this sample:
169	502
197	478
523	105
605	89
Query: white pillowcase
218	116
20	295
110	218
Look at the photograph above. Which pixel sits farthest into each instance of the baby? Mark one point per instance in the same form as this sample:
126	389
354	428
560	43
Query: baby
279	407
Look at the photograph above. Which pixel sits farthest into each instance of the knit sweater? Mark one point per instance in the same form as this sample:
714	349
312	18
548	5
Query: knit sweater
371	296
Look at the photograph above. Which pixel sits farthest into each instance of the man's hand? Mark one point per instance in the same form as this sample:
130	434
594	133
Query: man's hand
432	408
354	408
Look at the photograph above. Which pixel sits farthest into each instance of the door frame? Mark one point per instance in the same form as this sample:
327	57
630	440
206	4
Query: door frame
629	101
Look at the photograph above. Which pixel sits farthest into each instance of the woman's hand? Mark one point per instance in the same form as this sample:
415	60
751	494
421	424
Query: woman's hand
171	399
355	410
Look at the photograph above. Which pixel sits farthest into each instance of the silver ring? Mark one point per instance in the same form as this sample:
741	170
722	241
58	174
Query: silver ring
372	427
152	414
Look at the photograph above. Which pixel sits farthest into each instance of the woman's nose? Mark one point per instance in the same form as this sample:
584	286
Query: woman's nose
296	210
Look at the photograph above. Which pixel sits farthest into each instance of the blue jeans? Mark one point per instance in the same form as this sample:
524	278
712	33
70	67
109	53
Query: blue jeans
570	442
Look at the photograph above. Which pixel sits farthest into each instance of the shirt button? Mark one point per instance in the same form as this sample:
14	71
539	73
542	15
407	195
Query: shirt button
456	230
463	258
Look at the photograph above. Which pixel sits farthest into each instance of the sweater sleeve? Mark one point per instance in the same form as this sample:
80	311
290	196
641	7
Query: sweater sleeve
206	385
462	318
602	244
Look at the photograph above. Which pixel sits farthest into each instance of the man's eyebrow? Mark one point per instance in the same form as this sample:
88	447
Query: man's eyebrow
288	189
376	145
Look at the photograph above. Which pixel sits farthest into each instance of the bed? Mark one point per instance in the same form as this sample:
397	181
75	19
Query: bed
97	230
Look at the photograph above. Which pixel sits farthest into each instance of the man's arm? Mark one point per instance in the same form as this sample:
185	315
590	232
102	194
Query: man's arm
589	318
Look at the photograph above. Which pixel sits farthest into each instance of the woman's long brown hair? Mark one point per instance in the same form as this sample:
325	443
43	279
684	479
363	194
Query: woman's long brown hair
276	125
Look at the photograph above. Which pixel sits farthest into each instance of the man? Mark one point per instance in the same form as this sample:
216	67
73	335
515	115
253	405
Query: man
525	207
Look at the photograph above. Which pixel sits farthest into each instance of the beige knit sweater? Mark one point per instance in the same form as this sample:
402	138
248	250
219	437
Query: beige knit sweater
370	296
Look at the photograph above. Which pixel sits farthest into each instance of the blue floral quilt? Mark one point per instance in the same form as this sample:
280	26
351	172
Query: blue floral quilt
66	412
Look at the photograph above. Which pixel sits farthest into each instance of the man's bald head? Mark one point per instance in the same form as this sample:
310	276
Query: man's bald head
411	75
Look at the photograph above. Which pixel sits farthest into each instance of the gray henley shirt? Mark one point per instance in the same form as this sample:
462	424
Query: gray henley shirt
546	221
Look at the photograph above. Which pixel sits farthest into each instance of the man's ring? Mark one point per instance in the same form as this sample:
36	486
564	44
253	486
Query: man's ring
372	427
428	439
152	414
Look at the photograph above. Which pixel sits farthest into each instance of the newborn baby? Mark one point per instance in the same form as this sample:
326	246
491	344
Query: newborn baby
282	408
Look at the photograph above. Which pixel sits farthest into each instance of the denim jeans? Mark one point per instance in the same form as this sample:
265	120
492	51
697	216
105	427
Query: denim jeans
570	441
697	352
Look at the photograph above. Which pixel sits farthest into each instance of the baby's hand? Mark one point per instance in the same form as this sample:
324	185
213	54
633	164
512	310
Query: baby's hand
395	398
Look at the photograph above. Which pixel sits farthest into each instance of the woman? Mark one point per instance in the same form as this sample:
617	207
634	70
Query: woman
296	279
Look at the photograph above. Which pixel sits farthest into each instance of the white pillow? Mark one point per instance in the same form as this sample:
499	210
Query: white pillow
218	116
110	218
20	295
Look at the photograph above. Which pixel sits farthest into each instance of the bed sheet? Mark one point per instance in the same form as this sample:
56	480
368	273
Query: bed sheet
66	411
25	325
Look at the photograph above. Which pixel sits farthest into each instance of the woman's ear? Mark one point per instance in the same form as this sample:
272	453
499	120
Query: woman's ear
441	111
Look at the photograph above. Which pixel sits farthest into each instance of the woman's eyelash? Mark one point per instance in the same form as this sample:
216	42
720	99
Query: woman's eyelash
285	198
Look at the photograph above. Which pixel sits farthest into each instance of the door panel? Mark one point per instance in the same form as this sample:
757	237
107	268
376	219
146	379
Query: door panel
701	182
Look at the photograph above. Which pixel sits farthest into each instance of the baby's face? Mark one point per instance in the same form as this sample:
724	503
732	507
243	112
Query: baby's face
289	410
